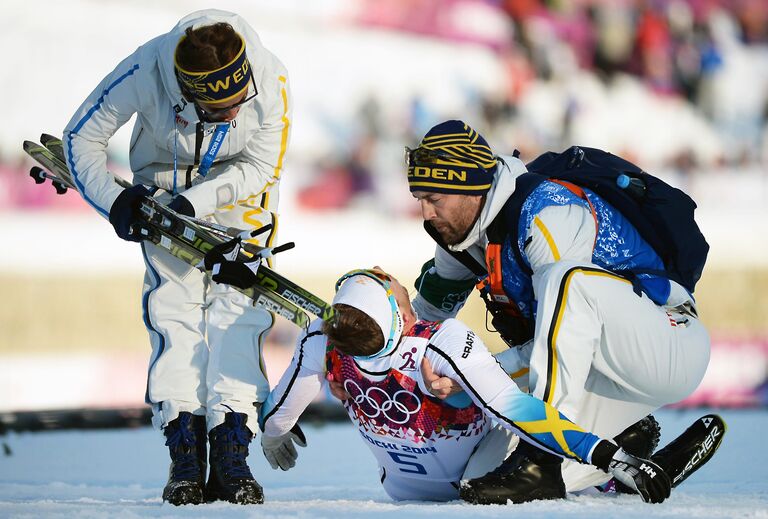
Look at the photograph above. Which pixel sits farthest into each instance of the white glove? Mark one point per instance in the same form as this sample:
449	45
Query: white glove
279	450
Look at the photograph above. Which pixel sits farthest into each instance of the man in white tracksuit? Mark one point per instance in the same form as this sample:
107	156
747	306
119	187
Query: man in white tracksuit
213	115
602	353
374	347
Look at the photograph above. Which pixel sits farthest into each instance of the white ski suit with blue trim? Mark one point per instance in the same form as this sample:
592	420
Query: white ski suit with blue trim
206	340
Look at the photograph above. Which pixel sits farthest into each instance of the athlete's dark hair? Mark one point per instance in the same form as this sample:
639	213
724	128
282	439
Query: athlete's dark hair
208	48
353	332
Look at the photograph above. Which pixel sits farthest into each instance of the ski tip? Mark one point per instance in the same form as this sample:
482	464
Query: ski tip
30	144
709	418
46	138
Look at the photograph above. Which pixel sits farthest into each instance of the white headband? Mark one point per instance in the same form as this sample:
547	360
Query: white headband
374	297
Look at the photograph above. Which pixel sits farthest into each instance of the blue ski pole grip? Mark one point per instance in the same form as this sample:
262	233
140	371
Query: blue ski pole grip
634	187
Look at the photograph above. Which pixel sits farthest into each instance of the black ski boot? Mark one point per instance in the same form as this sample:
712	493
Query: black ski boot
186	439
527	474
639	439
231	479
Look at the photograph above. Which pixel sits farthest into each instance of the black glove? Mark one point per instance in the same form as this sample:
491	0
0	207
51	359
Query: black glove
650	480
222	262
125	212
182	206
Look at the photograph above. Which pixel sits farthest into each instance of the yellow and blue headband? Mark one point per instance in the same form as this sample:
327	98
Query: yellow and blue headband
372	295
216	86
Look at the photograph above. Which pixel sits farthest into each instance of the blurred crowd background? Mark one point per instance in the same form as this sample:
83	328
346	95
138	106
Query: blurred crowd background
679	87
684	84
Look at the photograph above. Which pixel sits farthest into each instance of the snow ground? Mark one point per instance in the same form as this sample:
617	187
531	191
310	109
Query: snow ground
87	474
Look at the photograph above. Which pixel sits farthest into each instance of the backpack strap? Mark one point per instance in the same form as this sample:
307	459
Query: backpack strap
524	186
576	190
513	327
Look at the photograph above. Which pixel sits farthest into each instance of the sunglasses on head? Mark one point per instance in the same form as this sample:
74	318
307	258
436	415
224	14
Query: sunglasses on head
422	156
379	275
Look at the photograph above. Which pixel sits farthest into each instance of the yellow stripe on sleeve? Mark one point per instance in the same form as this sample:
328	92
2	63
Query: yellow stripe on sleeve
548	237
286	124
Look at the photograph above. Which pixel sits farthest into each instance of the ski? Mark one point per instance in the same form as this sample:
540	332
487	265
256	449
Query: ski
687	453
692	449
176	247
56	156
273	292
261	297
202	235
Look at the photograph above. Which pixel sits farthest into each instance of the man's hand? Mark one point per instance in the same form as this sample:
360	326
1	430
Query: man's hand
337	388
279	450
441	387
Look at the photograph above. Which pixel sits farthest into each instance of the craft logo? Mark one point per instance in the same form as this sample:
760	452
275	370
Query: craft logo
470	342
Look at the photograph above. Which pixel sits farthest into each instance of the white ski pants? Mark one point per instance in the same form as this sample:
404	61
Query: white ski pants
606	357
206	344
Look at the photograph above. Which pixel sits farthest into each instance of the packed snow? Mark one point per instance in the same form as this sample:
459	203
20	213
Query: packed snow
121	473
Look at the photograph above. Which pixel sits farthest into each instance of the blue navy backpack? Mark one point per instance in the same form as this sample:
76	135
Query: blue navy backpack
662	214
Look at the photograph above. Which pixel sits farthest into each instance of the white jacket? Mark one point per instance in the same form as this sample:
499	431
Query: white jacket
565	232
248	166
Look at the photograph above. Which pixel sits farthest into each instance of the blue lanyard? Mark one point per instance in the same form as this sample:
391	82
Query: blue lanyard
213	148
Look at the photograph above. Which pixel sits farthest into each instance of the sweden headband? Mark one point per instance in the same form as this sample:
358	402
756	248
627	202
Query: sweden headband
218	86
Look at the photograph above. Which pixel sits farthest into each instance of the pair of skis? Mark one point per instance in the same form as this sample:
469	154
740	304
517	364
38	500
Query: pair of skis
190	239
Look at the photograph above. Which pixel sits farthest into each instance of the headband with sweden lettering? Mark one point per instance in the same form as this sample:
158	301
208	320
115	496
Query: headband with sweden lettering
218	86
452	158
364	290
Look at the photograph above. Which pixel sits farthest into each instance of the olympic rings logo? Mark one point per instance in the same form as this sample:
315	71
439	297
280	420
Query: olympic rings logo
398	408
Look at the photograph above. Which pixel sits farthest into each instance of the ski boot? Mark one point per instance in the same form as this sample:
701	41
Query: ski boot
186	440
641	438
527	474
230	478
